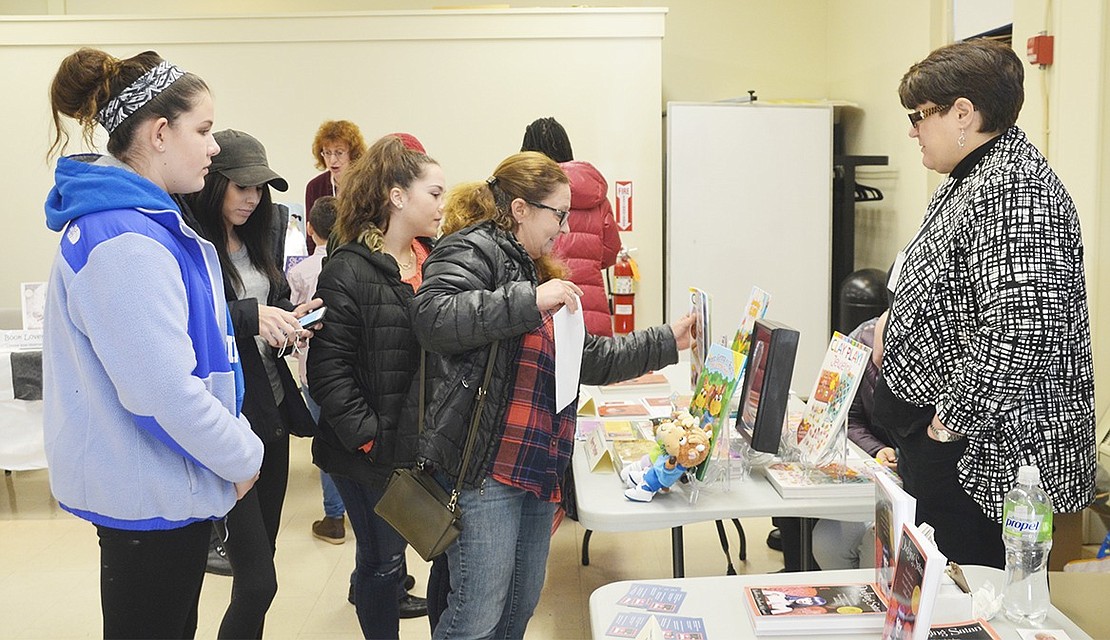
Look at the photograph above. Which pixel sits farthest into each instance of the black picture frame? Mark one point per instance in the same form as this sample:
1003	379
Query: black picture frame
767	375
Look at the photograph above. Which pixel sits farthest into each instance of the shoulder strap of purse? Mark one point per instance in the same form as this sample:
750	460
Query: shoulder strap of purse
480	400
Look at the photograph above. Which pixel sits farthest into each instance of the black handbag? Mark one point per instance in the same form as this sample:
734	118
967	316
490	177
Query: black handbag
414	504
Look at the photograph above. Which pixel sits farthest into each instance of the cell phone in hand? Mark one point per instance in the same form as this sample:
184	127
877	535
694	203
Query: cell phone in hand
312	318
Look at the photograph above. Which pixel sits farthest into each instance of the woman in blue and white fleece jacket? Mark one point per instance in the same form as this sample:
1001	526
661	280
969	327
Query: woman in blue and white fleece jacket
141	383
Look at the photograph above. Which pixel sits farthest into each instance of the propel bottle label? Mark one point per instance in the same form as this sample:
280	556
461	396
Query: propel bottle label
1024	523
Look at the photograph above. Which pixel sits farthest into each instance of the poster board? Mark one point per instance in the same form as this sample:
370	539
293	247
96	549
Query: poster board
749	202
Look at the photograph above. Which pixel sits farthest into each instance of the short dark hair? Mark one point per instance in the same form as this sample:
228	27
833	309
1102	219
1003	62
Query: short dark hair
986	72
548	137
322	215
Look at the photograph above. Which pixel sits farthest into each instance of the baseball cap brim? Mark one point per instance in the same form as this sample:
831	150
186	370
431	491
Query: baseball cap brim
255	175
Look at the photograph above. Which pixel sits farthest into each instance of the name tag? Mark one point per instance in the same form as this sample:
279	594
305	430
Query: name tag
896	272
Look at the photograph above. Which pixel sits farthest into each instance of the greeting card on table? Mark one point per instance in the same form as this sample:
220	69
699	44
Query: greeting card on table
628	624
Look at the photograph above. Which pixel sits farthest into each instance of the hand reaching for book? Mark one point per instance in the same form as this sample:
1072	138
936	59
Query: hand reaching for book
683	331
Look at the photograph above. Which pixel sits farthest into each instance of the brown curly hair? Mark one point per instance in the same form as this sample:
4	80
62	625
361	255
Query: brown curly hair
336	132
528	175
362	213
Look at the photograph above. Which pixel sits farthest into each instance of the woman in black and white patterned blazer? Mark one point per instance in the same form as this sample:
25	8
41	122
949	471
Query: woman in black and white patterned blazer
988	351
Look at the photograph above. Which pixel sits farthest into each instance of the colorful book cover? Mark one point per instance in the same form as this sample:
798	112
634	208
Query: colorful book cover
646	380
917	576
623	409
832	395
969	630
793	480
628	451
701	333
619	430
756	309
801	609
893	508
713	392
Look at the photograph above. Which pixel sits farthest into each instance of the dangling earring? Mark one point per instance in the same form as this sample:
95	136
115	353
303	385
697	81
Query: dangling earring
962	139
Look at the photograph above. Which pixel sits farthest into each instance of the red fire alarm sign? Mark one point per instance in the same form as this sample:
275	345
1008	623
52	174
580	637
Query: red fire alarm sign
1039	49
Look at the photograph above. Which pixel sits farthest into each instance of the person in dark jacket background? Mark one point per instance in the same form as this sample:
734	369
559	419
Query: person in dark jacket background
492	278
235	213
593	241
842	544
364	358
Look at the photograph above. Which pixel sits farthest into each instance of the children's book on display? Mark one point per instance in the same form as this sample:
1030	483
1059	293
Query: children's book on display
894	508
794	480
713	393
700	332
804	609
823	426
917	576
756	309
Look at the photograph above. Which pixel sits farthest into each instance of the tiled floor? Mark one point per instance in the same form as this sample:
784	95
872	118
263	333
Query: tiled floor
49	573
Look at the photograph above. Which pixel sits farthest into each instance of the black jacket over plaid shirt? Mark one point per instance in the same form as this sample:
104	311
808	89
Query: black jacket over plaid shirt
989	324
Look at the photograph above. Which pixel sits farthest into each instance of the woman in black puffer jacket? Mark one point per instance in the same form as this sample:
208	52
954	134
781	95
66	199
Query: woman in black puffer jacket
494	280
363	359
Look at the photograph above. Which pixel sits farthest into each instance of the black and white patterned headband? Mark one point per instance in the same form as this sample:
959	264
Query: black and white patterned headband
137	94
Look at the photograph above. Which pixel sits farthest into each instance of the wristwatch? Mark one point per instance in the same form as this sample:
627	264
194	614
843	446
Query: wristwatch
944	435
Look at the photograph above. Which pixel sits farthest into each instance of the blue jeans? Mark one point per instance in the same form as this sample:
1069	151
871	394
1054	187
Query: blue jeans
379	561
498	563
333	502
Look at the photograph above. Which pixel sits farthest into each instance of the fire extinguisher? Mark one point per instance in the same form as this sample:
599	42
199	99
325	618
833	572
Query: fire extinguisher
625	273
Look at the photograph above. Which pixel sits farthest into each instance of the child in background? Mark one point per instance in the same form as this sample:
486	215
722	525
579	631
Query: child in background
302	283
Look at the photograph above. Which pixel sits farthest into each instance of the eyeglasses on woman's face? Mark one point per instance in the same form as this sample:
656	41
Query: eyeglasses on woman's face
560	213
338	154
918	116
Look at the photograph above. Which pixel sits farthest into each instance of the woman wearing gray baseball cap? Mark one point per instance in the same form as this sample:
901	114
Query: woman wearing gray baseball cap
235	213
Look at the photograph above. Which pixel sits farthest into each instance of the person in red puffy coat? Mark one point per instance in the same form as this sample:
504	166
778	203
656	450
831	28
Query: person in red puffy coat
593	242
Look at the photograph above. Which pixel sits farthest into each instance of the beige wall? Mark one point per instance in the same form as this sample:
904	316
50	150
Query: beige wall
854	50
466	83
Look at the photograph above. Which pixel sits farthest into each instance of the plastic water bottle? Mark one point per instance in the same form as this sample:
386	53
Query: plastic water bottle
1027	534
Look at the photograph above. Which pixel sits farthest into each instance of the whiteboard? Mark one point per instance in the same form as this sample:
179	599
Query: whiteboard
749	202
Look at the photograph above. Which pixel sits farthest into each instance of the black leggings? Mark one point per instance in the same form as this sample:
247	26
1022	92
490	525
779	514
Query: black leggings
150	580
252	528
963	532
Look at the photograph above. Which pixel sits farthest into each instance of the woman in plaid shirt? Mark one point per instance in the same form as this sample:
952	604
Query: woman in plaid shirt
492	278
988	350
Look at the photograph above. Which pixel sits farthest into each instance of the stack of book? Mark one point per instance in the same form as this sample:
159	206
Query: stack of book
815	609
